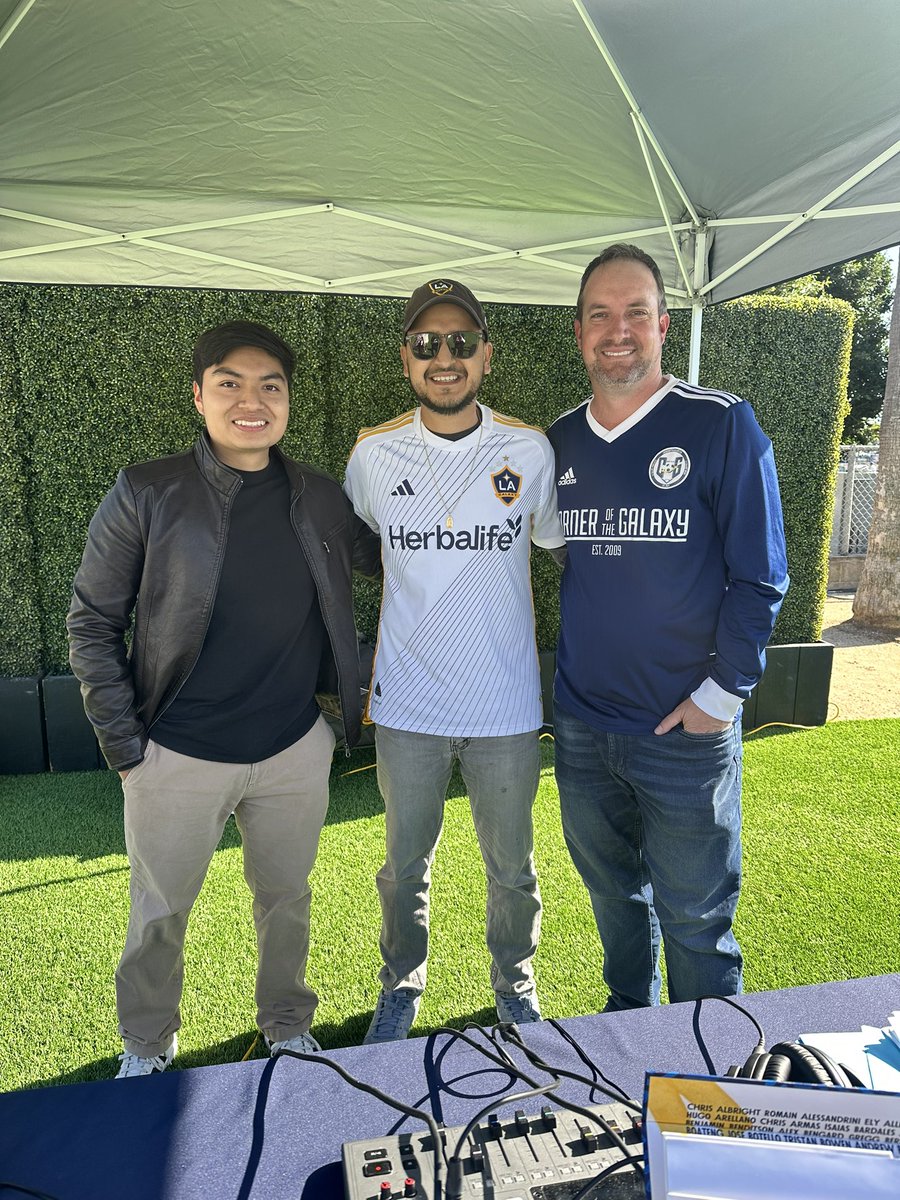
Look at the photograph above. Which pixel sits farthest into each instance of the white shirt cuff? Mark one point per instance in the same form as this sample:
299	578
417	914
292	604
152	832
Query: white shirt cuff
715	701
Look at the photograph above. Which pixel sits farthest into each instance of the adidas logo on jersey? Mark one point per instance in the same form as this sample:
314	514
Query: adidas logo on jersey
566	477
403	489
481	537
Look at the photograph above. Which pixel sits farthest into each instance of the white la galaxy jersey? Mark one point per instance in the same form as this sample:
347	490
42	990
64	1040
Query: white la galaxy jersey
456	650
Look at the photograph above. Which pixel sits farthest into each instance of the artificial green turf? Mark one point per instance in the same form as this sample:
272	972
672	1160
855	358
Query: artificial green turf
820	902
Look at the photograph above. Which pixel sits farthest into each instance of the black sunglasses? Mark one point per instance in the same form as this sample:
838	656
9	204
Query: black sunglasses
462	343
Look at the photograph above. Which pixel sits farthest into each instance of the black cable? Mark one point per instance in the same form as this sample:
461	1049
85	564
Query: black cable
454	1163
511	1032
536	1061
621	1095
698	1037
606	1172
437	1083
488	1035
497	1055
740	1008
391	1101
502	1059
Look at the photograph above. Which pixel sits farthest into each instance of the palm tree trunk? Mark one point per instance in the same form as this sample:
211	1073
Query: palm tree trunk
877	600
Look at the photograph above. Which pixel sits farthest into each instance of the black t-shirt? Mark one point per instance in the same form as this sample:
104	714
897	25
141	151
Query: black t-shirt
251	692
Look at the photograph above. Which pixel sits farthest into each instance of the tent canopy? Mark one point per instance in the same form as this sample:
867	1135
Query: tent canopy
366	145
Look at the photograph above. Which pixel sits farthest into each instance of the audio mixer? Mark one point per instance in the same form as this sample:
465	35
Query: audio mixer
551	1156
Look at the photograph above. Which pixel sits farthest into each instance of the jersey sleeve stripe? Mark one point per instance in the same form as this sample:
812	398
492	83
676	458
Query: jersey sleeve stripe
726	399
500	419
387	427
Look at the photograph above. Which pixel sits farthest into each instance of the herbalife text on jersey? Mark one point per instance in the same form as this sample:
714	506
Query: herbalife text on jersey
480	537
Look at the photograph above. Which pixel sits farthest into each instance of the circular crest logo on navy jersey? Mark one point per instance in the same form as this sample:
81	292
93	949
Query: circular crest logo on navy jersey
670	467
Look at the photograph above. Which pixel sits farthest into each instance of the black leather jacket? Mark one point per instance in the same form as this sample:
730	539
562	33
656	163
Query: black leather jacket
155	549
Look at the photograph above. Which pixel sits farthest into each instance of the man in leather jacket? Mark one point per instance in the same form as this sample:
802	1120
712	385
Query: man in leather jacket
234	564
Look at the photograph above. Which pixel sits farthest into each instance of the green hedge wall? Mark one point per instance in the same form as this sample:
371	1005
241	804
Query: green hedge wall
94	378
789	357
21	642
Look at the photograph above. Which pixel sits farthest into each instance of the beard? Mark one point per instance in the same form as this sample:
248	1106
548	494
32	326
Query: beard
449	408
619	377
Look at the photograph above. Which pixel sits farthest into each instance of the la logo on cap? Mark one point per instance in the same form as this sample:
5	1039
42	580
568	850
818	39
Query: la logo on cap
440	287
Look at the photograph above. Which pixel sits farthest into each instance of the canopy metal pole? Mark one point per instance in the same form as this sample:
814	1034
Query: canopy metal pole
696	333
642	142
701	240
15	20
636	113
811	213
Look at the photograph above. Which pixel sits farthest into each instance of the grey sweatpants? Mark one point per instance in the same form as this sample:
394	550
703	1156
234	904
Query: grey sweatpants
175	811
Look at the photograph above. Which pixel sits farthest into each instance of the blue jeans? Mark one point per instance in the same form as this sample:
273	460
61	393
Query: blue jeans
501	775
653	824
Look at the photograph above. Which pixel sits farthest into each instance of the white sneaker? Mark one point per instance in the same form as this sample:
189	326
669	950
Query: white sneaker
303	1043
134	1064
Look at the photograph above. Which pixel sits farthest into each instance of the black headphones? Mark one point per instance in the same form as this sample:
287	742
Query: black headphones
789	1062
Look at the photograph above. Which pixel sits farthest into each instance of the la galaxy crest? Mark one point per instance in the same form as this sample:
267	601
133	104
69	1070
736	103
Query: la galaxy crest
507	484
670	467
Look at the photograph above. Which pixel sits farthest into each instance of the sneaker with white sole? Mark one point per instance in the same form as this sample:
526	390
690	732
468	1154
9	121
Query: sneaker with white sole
393	1016
135	1064
302	1043
518	1008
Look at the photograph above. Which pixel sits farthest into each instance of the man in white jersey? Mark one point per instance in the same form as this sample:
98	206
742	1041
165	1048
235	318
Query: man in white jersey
457	493
675	572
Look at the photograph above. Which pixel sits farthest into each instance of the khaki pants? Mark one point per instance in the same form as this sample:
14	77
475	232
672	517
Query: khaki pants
175	811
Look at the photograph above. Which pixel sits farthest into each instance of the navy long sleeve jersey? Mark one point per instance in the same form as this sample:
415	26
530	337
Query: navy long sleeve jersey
676	561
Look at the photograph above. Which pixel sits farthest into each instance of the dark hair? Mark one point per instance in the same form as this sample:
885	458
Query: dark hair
214	346
631	253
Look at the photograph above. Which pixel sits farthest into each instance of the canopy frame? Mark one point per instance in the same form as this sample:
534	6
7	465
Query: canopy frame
649	141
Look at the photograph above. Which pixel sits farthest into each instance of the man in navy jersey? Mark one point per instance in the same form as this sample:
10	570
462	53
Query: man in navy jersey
675	572
235	563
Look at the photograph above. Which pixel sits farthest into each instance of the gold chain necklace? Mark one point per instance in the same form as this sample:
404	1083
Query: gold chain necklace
448	508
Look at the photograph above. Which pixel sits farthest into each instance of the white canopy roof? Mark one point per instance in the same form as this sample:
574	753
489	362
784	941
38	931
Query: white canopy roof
366	145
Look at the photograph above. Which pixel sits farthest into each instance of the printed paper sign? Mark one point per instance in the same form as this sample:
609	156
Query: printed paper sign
753	1110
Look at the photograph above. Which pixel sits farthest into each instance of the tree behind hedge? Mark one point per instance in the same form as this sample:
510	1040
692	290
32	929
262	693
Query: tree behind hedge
865	283
877	599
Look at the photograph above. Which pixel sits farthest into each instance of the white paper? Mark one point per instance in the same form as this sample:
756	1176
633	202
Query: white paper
873	1054
884	1058
703	1168
789	1117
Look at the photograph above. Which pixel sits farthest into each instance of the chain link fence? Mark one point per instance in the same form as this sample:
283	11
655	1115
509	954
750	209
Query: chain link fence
854	495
